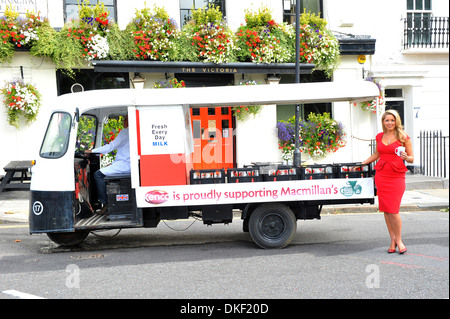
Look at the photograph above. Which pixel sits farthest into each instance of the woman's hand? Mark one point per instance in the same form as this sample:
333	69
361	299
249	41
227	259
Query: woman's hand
406	157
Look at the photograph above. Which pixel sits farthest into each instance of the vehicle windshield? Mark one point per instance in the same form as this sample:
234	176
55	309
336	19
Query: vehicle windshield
56	138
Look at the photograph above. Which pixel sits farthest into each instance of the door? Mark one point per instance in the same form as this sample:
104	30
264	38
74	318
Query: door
213	137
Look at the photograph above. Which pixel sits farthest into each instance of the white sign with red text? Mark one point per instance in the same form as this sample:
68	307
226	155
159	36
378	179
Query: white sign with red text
241	193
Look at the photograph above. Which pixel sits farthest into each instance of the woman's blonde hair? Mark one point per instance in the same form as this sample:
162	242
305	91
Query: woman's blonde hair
399	131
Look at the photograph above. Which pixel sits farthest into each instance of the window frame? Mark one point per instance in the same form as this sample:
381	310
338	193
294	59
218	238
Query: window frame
193	7
63	150
289	14
67	3
78	146
418	19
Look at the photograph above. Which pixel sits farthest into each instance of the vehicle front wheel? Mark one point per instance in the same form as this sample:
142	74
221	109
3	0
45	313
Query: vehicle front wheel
272	225
68	239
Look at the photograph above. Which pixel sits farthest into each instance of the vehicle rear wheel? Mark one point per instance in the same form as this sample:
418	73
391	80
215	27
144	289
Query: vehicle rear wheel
272	225
68	239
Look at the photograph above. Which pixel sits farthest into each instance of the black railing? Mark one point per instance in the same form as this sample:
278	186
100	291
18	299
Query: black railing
433	153
426	32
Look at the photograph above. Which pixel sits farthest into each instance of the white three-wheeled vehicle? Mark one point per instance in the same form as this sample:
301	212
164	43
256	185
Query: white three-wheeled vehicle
162	184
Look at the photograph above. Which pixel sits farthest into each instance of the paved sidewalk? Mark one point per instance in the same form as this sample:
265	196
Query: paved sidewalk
422	193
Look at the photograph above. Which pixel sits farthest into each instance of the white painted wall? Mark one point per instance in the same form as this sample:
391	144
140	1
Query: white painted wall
422	73
24	144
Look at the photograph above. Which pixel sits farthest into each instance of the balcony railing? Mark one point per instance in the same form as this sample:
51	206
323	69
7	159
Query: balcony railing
426	32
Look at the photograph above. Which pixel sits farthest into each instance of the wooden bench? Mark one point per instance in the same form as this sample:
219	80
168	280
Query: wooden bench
13	168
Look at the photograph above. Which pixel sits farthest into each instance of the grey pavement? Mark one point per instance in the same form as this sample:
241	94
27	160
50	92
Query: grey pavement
422	193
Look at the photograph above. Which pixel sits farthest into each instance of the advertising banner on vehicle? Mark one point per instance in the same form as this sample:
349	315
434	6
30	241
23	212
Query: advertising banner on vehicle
235	193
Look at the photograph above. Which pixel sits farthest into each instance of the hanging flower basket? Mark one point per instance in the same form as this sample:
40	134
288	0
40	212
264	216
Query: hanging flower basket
262	40
169	83
153	34
22	100
320	136
376	104
242	112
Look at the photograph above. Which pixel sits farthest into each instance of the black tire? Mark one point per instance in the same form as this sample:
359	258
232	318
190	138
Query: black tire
272	225
68	239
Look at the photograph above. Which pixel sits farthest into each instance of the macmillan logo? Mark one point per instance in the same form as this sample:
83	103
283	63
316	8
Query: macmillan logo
351	189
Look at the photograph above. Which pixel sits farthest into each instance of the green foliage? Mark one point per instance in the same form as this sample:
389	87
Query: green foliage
110	132
66	51
121	45
205	16
312	19
21	100
320	136
20	33
258	19
152	35
244	111
93	17
6	52
207	37
167	84
86	133
262	40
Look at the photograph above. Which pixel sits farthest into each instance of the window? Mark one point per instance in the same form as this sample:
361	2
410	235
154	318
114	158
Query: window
186	7
87	79
71	8
285	112
315	6
418	22
57	136
87	130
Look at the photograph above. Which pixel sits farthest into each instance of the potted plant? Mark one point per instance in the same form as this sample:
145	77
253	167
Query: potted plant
154	34
17	33
242	112
262	40
169	83
21	100
376	104
319	135
206	38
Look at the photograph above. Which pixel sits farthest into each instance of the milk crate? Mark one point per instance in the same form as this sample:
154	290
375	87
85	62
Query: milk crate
207	176
281	173
352	170
317	171
243	175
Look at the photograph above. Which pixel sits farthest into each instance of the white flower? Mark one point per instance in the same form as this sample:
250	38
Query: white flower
98	48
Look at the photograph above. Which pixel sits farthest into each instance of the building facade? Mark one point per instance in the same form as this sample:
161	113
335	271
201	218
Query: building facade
409	60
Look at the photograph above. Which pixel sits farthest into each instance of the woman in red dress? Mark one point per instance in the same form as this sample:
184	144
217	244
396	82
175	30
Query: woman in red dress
390	174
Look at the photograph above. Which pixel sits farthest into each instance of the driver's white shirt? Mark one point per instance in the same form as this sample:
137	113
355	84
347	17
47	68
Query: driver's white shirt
122	163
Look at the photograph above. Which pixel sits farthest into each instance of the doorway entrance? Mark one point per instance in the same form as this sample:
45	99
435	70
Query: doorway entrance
212	127
395	100
213	137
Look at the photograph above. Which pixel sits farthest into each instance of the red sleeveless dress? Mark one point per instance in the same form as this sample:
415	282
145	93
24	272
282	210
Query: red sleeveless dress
389	177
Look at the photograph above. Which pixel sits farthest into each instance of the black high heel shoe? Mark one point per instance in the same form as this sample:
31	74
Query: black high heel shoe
401	252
